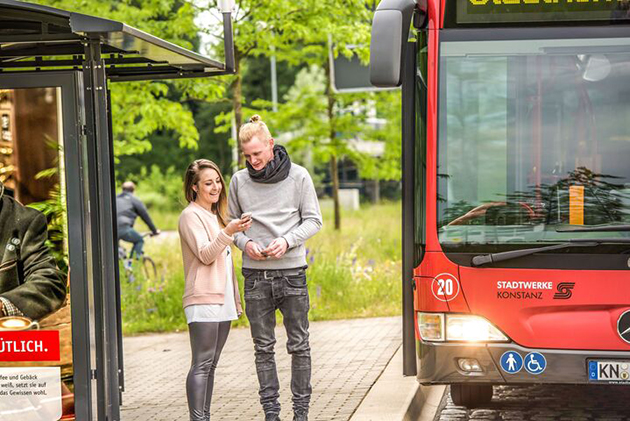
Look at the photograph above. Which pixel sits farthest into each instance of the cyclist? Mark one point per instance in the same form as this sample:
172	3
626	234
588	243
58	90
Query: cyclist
128	208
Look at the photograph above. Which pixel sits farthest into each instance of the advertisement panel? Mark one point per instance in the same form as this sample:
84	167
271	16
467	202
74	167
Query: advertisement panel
36	361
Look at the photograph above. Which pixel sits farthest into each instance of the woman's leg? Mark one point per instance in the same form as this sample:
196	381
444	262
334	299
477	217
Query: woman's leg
204	338
224	330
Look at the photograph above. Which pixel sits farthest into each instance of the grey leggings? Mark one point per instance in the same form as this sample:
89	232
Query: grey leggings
206	342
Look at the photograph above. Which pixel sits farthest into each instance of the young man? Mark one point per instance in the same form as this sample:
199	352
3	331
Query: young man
285	212
128	208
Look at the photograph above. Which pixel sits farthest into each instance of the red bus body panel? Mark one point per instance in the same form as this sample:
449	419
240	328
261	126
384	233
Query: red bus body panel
587	320
528	312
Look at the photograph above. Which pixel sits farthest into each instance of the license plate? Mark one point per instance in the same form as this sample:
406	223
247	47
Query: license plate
609	371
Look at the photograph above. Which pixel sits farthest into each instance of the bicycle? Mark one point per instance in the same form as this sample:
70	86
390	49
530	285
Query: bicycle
149	268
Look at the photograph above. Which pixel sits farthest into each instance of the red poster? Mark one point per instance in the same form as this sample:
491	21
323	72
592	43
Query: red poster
29	345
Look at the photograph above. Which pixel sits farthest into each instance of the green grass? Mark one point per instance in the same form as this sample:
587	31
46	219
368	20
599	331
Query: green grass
352	273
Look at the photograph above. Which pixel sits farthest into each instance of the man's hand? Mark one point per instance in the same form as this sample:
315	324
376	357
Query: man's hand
276	248
253	250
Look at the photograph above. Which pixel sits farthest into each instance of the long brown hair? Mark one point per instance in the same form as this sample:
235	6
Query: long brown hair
192	178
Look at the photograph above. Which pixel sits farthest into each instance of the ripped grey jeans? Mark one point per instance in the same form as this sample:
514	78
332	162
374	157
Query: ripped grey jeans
266	291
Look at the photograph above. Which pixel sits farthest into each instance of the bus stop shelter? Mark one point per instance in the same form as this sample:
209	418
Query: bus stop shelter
78	56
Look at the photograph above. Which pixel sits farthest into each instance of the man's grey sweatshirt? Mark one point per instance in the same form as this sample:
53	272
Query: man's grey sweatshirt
287	209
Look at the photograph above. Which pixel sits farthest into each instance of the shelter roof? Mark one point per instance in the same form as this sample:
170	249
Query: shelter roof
36	37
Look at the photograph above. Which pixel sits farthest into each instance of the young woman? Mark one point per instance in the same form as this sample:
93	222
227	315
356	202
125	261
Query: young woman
211	296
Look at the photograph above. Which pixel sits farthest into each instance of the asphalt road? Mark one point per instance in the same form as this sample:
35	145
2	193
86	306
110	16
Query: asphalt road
546	403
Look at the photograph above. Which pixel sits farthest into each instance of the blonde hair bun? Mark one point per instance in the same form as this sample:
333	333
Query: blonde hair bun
254	127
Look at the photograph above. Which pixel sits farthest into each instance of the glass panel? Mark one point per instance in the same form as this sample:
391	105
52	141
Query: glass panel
36	370
534	136
421	143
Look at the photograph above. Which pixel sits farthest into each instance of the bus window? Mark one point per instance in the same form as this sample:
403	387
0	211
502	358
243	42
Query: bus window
533	136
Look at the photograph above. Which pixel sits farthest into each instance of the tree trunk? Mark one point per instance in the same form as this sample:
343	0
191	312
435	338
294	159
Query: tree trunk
237	98
335	186
334	171
375	194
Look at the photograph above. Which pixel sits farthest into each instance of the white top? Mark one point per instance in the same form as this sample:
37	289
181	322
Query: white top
216	312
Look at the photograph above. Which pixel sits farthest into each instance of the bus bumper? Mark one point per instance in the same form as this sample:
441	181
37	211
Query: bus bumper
438	364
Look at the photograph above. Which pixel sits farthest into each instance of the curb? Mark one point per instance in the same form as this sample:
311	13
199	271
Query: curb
396	398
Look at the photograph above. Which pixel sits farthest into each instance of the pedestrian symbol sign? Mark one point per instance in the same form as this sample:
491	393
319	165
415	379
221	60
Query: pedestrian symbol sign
511	362
535	363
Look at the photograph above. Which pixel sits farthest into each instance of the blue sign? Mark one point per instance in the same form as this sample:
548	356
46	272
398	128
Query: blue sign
535	363
592	370
511	362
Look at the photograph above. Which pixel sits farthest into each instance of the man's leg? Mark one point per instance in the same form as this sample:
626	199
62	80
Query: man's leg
261	312
294	308
132	236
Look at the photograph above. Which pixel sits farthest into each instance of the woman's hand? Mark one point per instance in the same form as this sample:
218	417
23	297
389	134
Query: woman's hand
237	225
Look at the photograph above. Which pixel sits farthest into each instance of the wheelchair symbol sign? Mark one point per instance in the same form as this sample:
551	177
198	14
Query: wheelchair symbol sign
535	363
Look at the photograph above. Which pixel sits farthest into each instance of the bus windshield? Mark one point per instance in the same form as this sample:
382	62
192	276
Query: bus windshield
534	138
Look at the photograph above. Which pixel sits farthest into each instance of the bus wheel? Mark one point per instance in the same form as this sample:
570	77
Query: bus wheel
471	395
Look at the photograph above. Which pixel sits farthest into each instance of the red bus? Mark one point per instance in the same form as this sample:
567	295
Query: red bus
516	190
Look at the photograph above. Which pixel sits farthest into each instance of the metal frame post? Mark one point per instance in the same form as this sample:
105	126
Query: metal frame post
103	242
408	170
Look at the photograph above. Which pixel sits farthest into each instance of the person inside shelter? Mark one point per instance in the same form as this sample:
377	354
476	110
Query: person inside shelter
31	285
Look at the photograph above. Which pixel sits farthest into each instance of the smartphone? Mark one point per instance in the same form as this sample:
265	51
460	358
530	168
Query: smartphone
246	216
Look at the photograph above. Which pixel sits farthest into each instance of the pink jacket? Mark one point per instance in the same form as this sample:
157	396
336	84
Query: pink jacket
204	251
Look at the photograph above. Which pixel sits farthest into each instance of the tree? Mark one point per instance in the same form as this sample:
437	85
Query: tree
301	33
295	32
387	166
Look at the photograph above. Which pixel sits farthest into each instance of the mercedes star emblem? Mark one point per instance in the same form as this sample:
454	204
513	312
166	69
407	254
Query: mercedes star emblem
623	326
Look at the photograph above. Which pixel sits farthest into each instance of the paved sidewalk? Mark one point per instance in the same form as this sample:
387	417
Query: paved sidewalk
348	357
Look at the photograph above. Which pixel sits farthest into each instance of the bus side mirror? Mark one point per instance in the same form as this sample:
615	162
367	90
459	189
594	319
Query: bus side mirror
390	31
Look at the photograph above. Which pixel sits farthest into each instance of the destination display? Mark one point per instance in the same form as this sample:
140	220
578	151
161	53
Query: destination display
513	11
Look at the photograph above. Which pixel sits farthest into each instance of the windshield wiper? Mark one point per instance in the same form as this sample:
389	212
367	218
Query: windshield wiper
485	259
597	228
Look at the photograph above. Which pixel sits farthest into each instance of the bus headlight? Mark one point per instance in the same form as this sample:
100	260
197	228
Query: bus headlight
440	327
462	327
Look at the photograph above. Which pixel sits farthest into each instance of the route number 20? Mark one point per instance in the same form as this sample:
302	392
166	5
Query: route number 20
445	287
